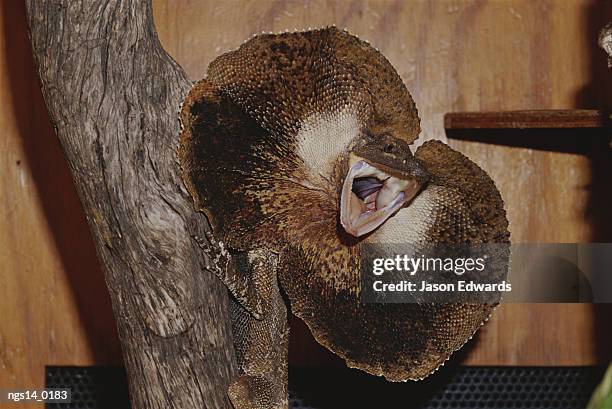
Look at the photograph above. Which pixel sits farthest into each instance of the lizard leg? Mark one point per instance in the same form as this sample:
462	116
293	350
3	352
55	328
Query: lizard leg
261	344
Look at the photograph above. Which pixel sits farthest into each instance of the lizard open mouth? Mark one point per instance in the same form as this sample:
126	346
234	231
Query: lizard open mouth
370	196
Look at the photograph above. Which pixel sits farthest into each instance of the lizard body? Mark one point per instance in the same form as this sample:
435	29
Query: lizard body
296	146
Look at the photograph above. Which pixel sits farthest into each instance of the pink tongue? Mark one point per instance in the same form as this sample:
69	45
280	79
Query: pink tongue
370	201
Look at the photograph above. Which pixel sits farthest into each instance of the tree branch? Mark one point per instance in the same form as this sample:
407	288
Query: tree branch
113	95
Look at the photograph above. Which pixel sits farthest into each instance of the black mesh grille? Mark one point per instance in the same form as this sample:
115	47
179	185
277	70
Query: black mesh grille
93	387
450	388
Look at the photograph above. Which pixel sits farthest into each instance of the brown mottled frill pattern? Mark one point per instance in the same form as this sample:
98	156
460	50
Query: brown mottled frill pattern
239	154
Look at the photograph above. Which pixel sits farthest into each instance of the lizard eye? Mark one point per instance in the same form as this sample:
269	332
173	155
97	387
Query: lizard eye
388	148
370	196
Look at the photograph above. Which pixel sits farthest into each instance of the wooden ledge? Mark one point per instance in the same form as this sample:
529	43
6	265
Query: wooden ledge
538	119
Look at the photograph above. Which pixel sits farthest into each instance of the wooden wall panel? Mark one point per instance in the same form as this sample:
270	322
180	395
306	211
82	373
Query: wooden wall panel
54	308
460	56
453	55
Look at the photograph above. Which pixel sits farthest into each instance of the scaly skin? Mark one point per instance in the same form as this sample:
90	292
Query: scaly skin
265	148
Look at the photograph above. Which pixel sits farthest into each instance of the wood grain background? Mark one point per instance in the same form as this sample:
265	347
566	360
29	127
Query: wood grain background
453	55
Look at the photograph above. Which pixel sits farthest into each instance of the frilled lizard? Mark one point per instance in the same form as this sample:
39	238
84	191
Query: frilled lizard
296	146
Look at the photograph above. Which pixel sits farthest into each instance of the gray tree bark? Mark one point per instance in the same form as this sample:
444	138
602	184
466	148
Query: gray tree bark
605	41
113	95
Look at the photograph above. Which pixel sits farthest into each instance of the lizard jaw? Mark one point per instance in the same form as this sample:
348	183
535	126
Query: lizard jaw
370	196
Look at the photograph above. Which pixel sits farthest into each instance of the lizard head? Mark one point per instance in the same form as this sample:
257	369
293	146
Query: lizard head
299	143
382	176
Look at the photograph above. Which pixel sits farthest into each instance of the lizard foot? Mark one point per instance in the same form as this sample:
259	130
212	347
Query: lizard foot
256	392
